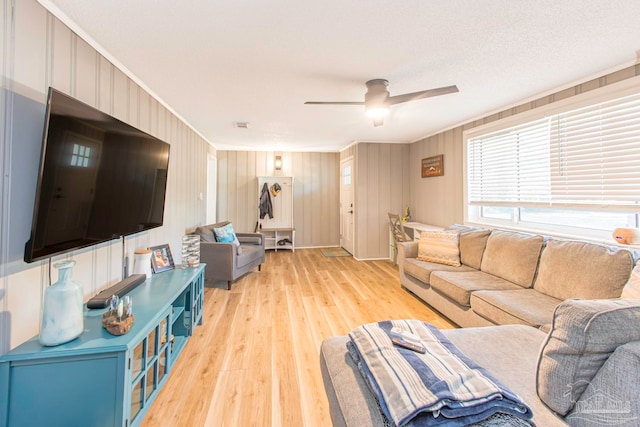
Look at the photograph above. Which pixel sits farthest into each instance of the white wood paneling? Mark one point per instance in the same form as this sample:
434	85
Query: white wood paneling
45	52
382	186
315	192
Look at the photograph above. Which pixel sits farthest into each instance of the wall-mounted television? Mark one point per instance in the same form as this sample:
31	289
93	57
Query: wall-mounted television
99	179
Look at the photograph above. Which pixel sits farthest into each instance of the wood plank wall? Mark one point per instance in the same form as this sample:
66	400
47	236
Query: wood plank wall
316	192
39	51
382	186
440	200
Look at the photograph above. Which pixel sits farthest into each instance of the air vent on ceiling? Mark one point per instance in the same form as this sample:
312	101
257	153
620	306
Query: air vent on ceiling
241	125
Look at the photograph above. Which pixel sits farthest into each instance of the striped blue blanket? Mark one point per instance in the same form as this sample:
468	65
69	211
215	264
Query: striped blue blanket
442	387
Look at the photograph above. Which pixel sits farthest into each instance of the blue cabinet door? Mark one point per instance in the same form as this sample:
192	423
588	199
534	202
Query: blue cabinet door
73	391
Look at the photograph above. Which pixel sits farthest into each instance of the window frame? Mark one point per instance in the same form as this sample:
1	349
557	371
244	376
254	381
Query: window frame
472	213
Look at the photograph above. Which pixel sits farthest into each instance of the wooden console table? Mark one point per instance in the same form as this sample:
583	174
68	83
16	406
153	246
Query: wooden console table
99	379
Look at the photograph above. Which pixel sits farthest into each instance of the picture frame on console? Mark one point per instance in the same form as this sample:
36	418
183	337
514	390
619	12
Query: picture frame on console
161	258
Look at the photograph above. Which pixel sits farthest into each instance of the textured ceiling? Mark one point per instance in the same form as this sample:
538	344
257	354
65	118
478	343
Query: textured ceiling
219	62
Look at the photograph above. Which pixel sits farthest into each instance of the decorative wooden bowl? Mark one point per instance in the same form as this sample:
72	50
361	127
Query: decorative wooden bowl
115	325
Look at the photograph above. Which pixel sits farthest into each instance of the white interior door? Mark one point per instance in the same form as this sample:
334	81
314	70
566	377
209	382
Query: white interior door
346	204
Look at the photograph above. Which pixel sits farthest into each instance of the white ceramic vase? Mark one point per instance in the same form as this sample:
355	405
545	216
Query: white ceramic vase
142	262
62	314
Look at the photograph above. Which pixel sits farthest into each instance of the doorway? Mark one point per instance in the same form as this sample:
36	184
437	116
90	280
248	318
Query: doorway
347	205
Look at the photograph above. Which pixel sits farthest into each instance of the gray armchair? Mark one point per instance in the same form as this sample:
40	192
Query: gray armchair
225	261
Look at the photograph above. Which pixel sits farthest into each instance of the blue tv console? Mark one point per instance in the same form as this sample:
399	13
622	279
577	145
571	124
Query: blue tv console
99	379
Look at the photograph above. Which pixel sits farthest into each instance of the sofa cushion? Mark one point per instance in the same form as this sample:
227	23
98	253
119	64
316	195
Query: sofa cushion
523	306
584	333
512	256
206	234
458	285
510	353
226	234
422	270
631	289
574	269
612	384
351	402
472	244
247	254
440	247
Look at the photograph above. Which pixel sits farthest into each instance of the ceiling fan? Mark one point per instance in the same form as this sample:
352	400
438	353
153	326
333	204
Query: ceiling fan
377	100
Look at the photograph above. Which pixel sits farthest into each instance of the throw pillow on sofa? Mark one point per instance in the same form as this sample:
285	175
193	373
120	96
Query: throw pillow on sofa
583	335
632	289
440	247
226	234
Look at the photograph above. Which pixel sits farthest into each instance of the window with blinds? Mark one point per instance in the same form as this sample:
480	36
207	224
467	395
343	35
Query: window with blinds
586	159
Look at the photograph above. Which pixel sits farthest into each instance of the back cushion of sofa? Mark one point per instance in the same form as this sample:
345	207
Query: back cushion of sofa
611	398
512	256
206	234
573	269
472	244
583	335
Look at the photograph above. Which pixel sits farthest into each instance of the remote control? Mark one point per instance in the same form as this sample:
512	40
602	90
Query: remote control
405	335
407	344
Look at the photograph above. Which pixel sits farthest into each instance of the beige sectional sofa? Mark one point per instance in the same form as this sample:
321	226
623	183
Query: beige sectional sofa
583	373
558	334
509	277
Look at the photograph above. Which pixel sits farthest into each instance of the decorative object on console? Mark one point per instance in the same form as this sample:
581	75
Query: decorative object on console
62	315
407	215
191	250
161	259
142	262
119	319
626	236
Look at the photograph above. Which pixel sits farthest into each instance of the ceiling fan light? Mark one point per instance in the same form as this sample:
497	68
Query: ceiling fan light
377	112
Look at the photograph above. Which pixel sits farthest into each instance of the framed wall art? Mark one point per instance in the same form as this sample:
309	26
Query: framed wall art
433	166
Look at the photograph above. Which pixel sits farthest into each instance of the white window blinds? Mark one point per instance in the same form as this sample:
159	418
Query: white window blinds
585	158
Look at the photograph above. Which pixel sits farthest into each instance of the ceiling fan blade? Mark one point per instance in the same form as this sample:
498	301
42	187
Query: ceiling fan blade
414	96
333	103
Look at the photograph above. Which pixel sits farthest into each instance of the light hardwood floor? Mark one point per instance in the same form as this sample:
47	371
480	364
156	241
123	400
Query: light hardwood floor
255	359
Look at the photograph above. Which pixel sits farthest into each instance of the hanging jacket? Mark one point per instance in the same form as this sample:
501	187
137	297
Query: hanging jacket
265	202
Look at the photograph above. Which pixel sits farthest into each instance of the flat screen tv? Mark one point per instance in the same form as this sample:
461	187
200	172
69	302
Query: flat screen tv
99	179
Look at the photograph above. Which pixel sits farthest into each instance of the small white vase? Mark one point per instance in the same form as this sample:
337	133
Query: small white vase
142	262
62	314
